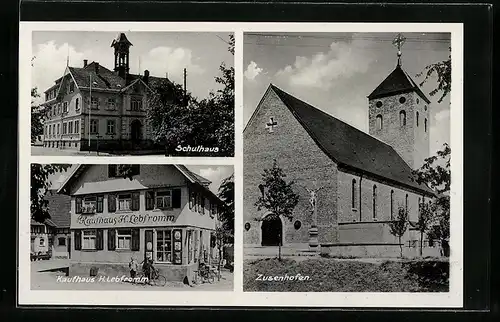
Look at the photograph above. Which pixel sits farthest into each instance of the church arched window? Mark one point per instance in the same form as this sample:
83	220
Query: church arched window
374	201
392	204
417	118
425	125
379	122
402	118
354	192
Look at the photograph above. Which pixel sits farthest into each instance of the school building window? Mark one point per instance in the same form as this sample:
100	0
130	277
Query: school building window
164	245
70	129
65	107
65	128
77	104
111	104
94	103
94	125
110	127
58	129
77	127
136	104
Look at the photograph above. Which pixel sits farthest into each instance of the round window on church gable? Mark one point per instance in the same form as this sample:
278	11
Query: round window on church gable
247	226
379	104
402	99
297	224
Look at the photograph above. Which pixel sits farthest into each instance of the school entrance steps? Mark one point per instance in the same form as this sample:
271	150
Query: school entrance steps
272	251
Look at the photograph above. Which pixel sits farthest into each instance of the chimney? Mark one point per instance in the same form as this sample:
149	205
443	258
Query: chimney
96	65
85	63
145	78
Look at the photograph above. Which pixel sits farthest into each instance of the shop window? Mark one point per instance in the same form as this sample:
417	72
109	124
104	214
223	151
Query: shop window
164	199
190	239
89	205
164	246
123	238
89	239
124	202
61	241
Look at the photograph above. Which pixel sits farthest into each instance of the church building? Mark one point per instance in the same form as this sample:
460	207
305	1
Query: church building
162	212
359	179
93	107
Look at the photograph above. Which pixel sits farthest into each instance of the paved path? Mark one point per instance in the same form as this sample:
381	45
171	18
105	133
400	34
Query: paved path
45	265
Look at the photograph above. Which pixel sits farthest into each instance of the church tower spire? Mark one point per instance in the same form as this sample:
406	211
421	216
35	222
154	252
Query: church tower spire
121	46
399	113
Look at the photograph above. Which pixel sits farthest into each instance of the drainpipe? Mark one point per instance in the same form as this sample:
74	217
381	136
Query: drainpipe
360	181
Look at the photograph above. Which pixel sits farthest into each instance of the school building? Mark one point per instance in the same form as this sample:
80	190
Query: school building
163	212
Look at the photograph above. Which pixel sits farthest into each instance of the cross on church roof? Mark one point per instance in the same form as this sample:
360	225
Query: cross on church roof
271	124
398	42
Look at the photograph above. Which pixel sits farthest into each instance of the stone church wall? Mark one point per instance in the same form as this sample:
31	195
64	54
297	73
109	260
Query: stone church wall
302	161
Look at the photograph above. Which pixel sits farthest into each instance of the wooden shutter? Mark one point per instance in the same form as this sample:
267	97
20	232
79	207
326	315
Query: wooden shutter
176	198
111	203
135	201
78	205
100	201
99	239
78	239
112	170
135	240
111	239
150	200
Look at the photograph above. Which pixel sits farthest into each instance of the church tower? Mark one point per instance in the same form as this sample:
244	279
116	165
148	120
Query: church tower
399	114
121	46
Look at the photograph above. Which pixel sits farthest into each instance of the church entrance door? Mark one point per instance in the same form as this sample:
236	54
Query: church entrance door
135	130
271	231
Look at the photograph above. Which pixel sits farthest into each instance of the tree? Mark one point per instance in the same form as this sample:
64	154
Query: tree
436	174
170	118
442	70
278	197
37	116
399	226
40	187
425	218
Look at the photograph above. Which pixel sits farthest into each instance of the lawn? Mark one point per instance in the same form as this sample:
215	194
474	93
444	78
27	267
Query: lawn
334	275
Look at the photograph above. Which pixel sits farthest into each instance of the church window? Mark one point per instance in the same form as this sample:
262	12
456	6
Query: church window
379	122
354	192
425	125
425	107
418	101
374	201
392	204
402	99
297	224
402	118
379	104
417	118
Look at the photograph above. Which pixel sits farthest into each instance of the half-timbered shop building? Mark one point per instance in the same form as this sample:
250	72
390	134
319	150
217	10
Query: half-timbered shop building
163	212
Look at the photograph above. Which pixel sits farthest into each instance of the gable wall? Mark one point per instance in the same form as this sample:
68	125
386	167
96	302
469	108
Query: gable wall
302	161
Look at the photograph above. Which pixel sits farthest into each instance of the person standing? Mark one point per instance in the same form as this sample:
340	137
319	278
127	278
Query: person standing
133	267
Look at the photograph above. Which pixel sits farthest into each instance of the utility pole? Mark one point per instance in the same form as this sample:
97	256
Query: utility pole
185	88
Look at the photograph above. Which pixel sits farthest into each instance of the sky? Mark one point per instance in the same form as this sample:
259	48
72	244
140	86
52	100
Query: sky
335	72
214	173
159	52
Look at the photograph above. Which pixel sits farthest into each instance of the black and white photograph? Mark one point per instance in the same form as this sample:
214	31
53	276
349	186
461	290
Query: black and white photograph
346	162
132	93
137	227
